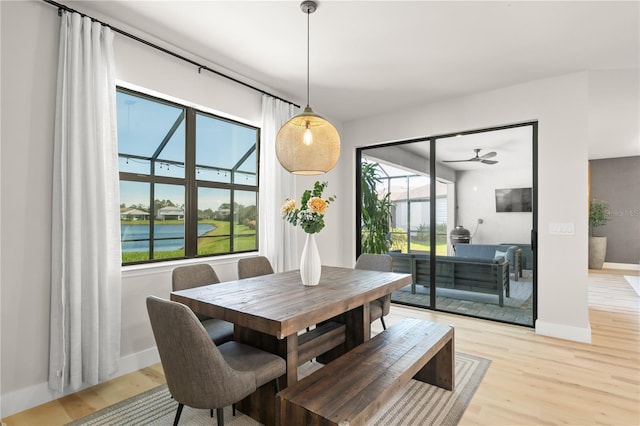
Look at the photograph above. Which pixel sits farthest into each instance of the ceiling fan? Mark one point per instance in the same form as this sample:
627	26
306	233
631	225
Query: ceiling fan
481	158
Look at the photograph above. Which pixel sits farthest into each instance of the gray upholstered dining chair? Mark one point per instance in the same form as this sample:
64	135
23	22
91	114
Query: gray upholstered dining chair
254	266
379	308
200	374
190	276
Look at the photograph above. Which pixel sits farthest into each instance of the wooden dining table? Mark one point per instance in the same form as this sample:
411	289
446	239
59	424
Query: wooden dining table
269	311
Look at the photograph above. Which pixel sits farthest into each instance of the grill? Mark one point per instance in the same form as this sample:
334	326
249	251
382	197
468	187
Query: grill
459	235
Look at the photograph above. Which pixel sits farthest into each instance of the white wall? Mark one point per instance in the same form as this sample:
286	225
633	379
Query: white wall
29	52
29	63
614	108
560	106
476	200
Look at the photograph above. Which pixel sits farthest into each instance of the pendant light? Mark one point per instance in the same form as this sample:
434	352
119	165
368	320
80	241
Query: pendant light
308	144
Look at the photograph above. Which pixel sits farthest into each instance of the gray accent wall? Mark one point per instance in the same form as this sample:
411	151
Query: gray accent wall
616	181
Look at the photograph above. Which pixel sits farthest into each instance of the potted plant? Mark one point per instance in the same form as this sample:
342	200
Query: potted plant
376	212
598	216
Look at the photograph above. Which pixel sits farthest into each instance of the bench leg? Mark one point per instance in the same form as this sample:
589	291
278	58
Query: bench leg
440	370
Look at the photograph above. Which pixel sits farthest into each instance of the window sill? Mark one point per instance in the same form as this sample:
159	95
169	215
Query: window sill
161	267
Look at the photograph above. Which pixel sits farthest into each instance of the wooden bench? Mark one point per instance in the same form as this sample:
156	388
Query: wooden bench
349	390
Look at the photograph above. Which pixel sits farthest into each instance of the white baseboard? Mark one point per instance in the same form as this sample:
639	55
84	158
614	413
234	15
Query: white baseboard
138	361
625	266
32	396
562	331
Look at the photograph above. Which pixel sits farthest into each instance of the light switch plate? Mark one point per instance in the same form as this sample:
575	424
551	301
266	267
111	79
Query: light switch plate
566	228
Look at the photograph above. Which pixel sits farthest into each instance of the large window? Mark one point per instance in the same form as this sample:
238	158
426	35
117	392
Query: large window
188	181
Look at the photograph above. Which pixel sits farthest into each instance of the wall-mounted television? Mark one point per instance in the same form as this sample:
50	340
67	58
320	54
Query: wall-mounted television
513	200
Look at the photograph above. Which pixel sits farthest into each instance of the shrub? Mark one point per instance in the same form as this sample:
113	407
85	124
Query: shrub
598	214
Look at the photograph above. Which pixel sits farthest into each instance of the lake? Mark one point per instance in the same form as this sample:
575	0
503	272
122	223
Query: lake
174	233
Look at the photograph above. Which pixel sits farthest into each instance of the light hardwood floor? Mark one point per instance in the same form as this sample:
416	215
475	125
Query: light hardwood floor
532	379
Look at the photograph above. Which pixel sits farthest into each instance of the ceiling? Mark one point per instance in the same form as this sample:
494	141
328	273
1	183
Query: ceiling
513	148
368	58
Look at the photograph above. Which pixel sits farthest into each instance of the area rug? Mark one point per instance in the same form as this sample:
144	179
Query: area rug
517	309
634	282
416	403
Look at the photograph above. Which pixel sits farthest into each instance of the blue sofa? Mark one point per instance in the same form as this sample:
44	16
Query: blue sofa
491	251
469	274
527	254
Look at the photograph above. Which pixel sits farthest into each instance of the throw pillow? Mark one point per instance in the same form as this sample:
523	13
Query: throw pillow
500	254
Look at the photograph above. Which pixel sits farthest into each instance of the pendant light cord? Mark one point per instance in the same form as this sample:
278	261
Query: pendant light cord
308	15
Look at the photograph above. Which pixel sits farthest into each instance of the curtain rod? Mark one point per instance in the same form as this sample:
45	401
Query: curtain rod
168	52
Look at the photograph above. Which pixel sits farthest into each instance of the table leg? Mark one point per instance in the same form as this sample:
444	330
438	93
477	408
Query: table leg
261	404
358	330
358	327
291	356
366	323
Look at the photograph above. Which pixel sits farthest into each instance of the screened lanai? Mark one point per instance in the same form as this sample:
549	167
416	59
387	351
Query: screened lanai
410	198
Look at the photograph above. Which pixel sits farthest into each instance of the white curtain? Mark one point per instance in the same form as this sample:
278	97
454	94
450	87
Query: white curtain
278	240
85	260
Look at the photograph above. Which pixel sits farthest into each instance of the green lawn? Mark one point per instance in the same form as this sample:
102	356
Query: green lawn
218	240
441	248
419	241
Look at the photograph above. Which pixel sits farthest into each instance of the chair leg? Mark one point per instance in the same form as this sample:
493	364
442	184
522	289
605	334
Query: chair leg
175	421
220	416
211	414
384	326
233	409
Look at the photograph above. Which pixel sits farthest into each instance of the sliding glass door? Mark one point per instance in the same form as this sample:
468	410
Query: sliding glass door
461	216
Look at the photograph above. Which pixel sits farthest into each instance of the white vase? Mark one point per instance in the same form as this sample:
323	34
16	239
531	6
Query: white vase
310	266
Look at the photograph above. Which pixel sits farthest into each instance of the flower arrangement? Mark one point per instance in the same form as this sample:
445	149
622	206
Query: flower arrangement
310	214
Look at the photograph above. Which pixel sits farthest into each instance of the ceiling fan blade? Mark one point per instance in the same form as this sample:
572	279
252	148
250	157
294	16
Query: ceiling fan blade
481	158
488	155
458	161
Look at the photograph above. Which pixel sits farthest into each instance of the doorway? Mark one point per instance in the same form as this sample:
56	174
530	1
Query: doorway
462	219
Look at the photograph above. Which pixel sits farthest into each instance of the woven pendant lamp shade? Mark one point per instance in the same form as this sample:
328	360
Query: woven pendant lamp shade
308	144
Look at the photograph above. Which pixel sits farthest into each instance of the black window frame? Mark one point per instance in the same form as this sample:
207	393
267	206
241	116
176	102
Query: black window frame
191	183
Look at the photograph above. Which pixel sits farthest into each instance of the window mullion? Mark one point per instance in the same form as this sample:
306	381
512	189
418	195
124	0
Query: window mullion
232	221
191	190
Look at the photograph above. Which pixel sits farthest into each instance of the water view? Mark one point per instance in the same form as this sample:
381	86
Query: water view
167	237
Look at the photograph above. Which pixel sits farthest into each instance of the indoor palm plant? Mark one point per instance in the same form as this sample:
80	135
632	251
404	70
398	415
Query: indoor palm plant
598	216
376	212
